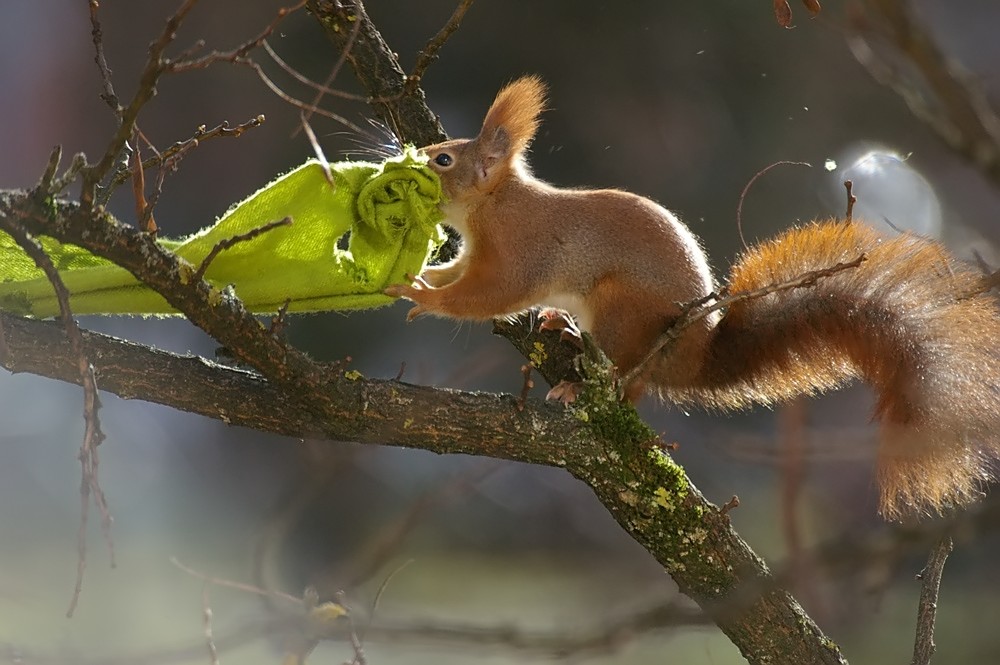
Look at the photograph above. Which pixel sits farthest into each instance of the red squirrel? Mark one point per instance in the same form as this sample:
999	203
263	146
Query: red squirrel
910	320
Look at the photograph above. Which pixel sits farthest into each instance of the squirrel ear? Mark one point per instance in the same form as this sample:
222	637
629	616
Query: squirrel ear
512	120
494	149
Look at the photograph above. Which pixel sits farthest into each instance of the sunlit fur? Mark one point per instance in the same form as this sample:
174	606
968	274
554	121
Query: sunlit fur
909	320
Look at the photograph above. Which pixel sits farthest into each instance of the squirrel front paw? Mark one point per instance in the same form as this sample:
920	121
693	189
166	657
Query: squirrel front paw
416	292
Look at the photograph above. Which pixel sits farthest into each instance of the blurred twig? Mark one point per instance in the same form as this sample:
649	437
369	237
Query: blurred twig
924	647
935	87
90	486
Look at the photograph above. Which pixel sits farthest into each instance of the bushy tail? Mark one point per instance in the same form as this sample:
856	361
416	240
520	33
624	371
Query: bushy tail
910	320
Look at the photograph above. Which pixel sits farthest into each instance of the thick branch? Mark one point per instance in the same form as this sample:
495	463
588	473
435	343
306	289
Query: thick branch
604	443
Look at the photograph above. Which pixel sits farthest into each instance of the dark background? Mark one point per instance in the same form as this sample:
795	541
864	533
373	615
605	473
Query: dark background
681	102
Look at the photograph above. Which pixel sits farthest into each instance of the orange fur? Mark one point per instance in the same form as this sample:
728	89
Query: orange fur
905	320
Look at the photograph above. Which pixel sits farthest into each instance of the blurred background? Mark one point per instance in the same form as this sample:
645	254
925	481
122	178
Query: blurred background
681	102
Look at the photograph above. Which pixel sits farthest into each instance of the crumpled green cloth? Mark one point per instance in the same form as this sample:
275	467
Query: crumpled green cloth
392	211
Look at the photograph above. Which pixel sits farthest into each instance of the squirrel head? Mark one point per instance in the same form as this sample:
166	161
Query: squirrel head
474	167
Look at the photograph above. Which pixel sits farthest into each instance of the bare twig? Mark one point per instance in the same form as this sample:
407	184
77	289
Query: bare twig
206	615
321	88
743	194
429	53
851	200
317	149
165	157
89	484
278	321
379	72
157	65
357	640
78	164
385	543
225	244
608	636
284	96
45	184
525	387
924	647
143	210
154	68
186	63
108	95
334	71
238	586
698	310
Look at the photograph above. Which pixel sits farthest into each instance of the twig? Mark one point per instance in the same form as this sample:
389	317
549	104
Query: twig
609	635
230	584
317	149
321	88
278	321
357	640
429	53
89	484
729	505
206	614
186	63
143	210
78	163
155	67
923	646
525	387
45	184
698	310
334	71
851	200
743	194
179	148
378	71
109	96
226	243
384	544
284	96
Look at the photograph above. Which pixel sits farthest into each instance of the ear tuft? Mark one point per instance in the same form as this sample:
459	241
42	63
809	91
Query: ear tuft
513	117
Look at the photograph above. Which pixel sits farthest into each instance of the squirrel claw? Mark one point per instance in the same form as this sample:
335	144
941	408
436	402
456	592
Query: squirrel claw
395	290
414	313
565	391
557	319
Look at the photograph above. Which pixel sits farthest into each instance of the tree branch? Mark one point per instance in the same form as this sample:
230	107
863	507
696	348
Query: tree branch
378	70
601	441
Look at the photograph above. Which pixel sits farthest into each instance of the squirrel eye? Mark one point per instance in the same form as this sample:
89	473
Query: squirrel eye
444	159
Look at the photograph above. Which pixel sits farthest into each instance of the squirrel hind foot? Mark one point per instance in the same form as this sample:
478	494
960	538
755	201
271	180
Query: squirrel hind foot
557	319
565	391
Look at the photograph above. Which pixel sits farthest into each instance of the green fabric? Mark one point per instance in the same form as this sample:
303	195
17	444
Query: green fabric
391	210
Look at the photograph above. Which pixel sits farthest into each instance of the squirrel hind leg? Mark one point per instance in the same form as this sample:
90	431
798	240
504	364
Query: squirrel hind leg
626	324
